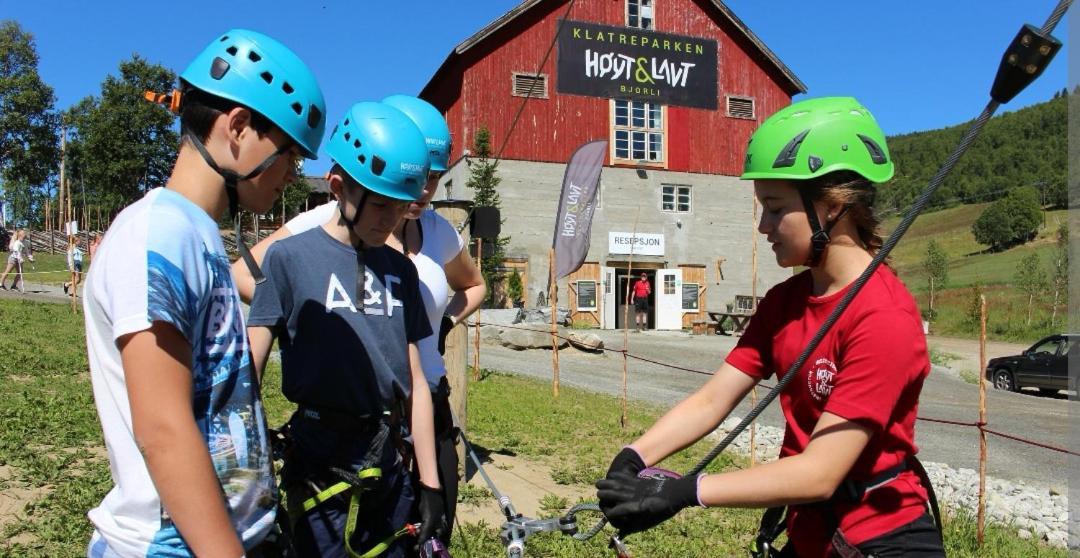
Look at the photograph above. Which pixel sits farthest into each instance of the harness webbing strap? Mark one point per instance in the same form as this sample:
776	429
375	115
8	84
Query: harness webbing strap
372	473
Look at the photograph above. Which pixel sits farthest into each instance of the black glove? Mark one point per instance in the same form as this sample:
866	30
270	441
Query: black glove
628	461
444	330
634	504
432	514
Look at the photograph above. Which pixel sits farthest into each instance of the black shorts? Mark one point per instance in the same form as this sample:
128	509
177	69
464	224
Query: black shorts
78	267
641	304
918	539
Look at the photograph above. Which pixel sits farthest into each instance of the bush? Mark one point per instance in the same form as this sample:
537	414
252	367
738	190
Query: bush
1012	219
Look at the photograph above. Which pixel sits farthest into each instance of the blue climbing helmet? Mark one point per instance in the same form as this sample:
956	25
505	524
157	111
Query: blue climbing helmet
431	123
381	148
262	74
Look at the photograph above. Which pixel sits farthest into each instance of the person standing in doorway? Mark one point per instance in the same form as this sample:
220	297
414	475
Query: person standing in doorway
641	291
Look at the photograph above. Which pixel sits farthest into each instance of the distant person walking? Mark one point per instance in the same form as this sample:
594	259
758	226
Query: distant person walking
641	291
75	266
19	249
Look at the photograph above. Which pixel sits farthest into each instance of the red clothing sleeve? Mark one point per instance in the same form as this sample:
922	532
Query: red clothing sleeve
753	354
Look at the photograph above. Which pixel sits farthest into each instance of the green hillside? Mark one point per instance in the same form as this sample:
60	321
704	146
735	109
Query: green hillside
970	263
1027	147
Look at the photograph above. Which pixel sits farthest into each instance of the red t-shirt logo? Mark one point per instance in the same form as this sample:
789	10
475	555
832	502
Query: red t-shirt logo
820	379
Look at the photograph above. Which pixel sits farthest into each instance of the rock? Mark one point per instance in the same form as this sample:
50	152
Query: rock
586	341
498	316
543	315
528	336
489	334
1024	534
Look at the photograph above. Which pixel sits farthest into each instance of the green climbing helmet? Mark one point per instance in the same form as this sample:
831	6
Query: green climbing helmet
815	137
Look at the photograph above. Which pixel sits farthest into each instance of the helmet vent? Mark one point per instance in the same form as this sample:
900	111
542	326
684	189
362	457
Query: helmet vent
223	39
346	121
362	159
314	116
288	89
348	136
297	108
377	165
788	154
231	50
814	162
254	56
356	144
219	68
876	153
267	77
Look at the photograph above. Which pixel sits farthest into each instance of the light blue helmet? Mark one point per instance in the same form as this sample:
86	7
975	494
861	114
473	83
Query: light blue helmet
381	149
431	123
264	75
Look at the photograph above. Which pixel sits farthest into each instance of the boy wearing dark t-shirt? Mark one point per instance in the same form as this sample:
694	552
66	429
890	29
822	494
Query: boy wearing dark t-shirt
348	313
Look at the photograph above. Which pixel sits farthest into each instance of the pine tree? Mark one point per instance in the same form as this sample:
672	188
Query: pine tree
484	180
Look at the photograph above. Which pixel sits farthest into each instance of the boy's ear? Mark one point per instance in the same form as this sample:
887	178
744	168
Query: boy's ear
337	184
236	121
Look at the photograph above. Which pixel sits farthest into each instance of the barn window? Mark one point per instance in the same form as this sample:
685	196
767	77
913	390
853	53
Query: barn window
675	198
740	107
639	131
639	13
523	83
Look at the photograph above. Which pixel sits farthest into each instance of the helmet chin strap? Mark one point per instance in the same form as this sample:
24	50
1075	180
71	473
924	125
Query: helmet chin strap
231	179
820	238
361	269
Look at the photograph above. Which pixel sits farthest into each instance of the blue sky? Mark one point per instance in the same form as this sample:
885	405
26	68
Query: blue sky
917	64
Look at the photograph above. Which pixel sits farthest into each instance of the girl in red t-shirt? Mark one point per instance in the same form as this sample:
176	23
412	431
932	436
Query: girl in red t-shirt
850	412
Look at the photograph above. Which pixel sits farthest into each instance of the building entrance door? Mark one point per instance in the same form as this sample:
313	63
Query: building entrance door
624	299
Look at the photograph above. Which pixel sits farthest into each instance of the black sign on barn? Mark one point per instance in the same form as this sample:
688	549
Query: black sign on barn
626	63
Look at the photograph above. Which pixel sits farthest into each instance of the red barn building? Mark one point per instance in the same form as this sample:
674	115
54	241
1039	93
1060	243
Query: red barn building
676	87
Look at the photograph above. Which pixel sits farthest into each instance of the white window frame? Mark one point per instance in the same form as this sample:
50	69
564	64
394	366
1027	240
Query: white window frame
639	6
677	191
669	287
650	114
596	292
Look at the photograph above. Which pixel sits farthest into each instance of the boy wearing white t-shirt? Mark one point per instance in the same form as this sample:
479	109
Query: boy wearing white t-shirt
169	358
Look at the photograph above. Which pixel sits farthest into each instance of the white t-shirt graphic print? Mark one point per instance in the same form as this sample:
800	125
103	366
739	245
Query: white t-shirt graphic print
163	260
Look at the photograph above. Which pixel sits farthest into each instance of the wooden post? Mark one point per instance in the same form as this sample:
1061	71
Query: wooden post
982	421
60	196
457	344
552	298
753	257
454	359
753	427
626	321
476	343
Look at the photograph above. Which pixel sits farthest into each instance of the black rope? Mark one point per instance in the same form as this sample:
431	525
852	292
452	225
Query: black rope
536	77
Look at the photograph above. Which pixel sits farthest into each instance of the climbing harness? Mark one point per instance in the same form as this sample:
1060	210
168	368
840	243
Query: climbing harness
774	521
336	482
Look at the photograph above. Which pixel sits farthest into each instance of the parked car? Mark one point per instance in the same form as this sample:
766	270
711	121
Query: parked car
1045	365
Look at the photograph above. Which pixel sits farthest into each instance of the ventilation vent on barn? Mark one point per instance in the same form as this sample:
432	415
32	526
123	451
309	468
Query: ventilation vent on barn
740	107
524	82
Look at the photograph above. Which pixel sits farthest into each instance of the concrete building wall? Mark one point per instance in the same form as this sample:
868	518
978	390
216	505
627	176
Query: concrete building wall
720	224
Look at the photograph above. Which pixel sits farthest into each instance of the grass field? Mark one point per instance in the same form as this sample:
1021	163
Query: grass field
52	459
970	263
